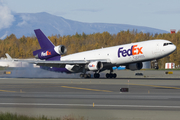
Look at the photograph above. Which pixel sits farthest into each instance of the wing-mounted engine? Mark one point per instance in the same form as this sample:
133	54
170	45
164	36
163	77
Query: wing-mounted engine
52	52
135	66
93	66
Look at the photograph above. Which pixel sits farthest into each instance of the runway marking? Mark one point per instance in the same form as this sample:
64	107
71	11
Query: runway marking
154	86
89	105
86	89
6	91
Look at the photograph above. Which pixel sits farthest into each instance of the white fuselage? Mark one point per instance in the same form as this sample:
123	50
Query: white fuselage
127	53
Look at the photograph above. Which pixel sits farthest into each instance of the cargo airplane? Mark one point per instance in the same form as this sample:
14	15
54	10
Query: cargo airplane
130	55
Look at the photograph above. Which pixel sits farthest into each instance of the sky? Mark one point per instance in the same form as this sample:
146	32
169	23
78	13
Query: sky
160	14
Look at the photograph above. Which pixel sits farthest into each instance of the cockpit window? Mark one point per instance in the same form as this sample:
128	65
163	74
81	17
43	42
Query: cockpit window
165	44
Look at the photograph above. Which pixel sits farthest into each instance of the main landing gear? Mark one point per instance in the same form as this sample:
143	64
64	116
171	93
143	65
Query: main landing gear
111	75
96	75
85	75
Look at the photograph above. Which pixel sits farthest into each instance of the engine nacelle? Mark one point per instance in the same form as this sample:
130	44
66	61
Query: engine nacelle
135	66
49	53
93	66
61	49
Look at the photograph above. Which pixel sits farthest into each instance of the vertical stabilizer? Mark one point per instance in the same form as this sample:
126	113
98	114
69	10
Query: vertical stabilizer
48	51
8	56
44	42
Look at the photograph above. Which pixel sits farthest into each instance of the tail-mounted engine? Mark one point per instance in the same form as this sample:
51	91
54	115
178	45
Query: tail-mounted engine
52	52
61	49
135	66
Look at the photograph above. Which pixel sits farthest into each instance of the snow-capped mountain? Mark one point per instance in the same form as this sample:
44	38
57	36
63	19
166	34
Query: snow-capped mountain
25	23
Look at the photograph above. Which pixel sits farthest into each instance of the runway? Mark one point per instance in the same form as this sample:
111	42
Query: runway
147	99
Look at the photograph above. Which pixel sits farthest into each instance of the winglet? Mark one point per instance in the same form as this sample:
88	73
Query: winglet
8	56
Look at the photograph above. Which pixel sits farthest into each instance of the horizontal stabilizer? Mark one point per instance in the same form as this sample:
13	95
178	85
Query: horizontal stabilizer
37	51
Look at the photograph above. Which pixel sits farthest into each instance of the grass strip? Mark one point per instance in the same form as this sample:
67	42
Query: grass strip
10	116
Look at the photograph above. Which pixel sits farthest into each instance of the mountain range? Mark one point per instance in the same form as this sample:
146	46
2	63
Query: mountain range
25	23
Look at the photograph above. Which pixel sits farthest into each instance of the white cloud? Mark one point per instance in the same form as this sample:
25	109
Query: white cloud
25	18
6	17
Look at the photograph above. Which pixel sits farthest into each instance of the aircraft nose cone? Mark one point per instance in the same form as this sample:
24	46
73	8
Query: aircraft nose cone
173	47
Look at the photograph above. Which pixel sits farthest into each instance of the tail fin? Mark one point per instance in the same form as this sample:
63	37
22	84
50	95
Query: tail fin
44	42
8	56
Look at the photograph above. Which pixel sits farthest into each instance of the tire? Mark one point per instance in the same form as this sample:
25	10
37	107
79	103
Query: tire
107	75
96	75
81	75
89	75
114	75
111	75
85	76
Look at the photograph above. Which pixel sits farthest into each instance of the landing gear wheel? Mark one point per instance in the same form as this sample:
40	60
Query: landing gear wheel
107	75
96	75
114	75
111	75
89	75
85	75
156	67
81	75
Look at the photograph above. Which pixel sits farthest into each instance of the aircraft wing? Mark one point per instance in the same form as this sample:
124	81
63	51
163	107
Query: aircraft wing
59	63
62	63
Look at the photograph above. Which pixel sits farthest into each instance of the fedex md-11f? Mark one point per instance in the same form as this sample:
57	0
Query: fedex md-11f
130	55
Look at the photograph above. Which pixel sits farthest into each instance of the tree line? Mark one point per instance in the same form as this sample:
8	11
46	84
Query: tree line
23	47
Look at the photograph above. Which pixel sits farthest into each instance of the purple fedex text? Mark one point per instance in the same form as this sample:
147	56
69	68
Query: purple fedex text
124	52
134	50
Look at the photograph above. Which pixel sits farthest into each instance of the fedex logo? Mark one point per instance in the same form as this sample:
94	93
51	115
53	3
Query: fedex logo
92	65
46	53
134	50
